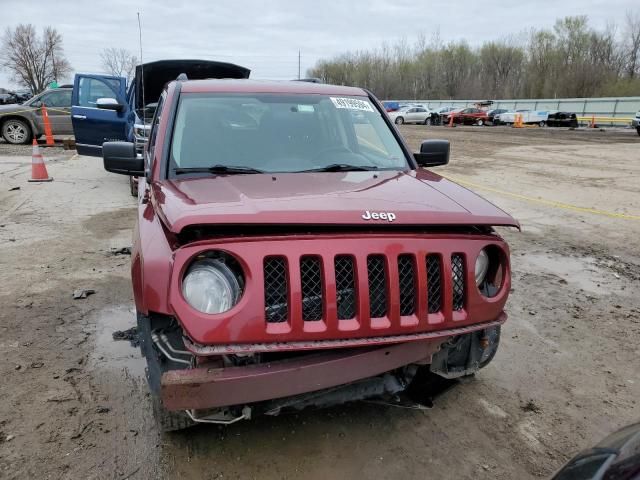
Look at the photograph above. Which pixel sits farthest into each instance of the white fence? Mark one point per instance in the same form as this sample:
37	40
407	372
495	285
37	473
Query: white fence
619	107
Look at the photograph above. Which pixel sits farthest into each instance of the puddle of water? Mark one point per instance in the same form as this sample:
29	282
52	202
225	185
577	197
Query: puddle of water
116	355
582	272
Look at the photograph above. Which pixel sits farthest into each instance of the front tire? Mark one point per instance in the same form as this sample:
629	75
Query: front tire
480	122
16	131
542	124
169	421
427	121
399	121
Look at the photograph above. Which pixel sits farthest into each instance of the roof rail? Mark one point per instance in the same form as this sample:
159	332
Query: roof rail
310	80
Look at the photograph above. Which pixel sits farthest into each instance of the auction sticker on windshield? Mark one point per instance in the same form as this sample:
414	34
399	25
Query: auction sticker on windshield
352	104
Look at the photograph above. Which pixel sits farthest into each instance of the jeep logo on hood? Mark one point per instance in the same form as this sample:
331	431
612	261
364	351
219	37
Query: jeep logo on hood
388	216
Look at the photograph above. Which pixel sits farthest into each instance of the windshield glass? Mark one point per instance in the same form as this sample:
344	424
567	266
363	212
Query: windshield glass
282	133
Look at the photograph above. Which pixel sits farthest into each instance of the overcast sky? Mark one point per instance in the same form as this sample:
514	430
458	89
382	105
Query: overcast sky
266	36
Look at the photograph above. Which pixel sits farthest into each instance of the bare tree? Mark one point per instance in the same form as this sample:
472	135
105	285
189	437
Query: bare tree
632	44
31	61
119	62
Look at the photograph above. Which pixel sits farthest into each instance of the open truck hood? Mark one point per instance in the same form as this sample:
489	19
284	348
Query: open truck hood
157	74
340	198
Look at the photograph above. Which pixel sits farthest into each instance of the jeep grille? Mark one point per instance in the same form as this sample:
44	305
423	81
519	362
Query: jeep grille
315	279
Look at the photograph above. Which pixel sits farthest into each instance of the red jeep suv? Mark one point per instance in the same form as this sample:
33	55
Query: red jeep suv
291	252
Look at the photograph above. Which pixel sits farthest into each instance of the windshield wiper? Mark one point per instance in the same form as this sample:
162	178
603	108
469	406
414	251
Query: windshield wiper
342	167
221	169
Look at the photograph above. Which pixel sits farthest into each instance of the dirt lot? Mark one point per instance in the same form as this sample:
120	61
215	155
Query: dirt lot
75	404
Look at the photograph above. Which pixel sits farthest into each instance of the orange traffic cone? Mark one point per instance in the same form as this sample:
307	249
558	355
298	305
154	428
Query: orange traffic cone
38	168
451	120
593	121
47	127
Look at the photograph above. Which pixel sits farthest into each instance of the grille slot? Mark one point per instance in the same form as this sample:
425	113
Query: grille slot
377	286
275	290
345	287
434	283
311	279
407	282
457	277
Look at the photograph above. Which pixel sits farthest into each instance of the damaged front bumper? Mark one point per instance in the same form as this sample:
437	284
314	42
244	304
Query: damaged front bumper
205	387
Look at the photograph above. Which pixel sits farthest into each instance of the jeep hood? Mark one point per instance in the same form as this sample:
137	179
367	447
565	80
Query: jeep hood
157	74
341	198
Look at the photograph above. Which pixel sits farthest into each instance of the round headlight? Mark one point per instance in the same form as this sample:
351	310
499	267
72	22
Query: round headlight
482	266
210	286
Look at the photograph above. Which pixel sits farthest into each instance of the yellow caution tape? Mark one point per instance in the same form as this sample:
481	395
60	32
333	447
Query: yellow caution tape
49	109
550	203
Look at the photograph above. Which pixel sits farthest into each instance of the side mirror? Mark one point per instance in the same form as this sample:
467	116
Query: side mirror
36	104
433	153
109	104
121	157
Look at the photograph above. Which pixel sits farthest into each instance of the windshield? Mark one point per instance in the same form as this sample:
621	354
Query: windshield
282	133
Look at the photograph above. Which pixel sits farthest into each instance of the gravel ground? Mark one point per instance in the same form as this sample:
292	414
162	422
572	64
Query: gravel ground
75	404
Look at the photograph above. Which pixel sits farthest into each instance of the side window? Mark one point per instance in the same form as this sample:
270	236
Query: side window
91	89
60	99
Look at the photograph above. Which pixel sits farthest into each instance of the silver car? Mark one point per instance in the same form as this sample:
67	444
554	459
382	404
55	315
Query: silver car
412	114
19	123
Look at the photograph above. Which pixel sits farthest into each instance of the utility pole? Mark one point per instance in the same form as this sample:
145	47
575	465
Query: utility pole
298	64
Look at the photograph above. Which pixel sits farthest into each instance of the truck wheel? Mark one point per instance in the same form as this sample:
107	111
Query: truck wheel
399	121
542	124
169	421
16	132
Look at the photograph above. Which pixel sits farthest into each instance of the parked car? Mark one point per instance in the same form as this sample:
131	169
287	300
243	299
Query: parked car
635	123
492	114
413	114
23	95
471	116
391	106
446	116
19	123
8	98
562	119
528	117
282	253
617	457
125	114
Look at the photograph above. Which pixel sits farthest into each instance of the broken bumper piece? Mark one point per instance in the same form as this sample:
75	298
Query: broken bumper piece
206	388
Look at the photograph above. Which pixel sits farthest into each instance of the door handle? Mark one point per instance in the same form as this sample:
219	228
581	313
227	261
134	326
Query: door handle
80	117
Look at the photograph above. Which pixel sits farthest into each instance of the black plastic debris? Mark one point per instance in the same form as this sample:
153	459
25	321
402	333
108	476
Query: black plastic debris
131	335
120	251
14	188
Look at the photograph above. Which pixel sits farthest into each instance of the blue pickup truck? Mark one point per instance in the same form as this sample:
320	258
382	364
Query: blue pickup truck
105	109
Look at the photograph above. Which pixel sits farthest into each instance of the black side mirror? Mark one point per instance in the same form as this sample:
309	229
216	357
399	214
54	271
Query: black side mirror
122	158
433	153
109	104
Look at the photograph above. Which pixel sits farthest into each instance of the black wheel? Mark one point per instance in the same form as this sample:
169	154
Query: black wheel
156	365
169	421
399	121
542	124
16	131
479	122
638	130
427	121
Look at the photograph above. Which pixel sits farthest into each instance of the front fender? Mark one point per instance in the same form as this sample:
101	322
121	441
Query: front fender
151	262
